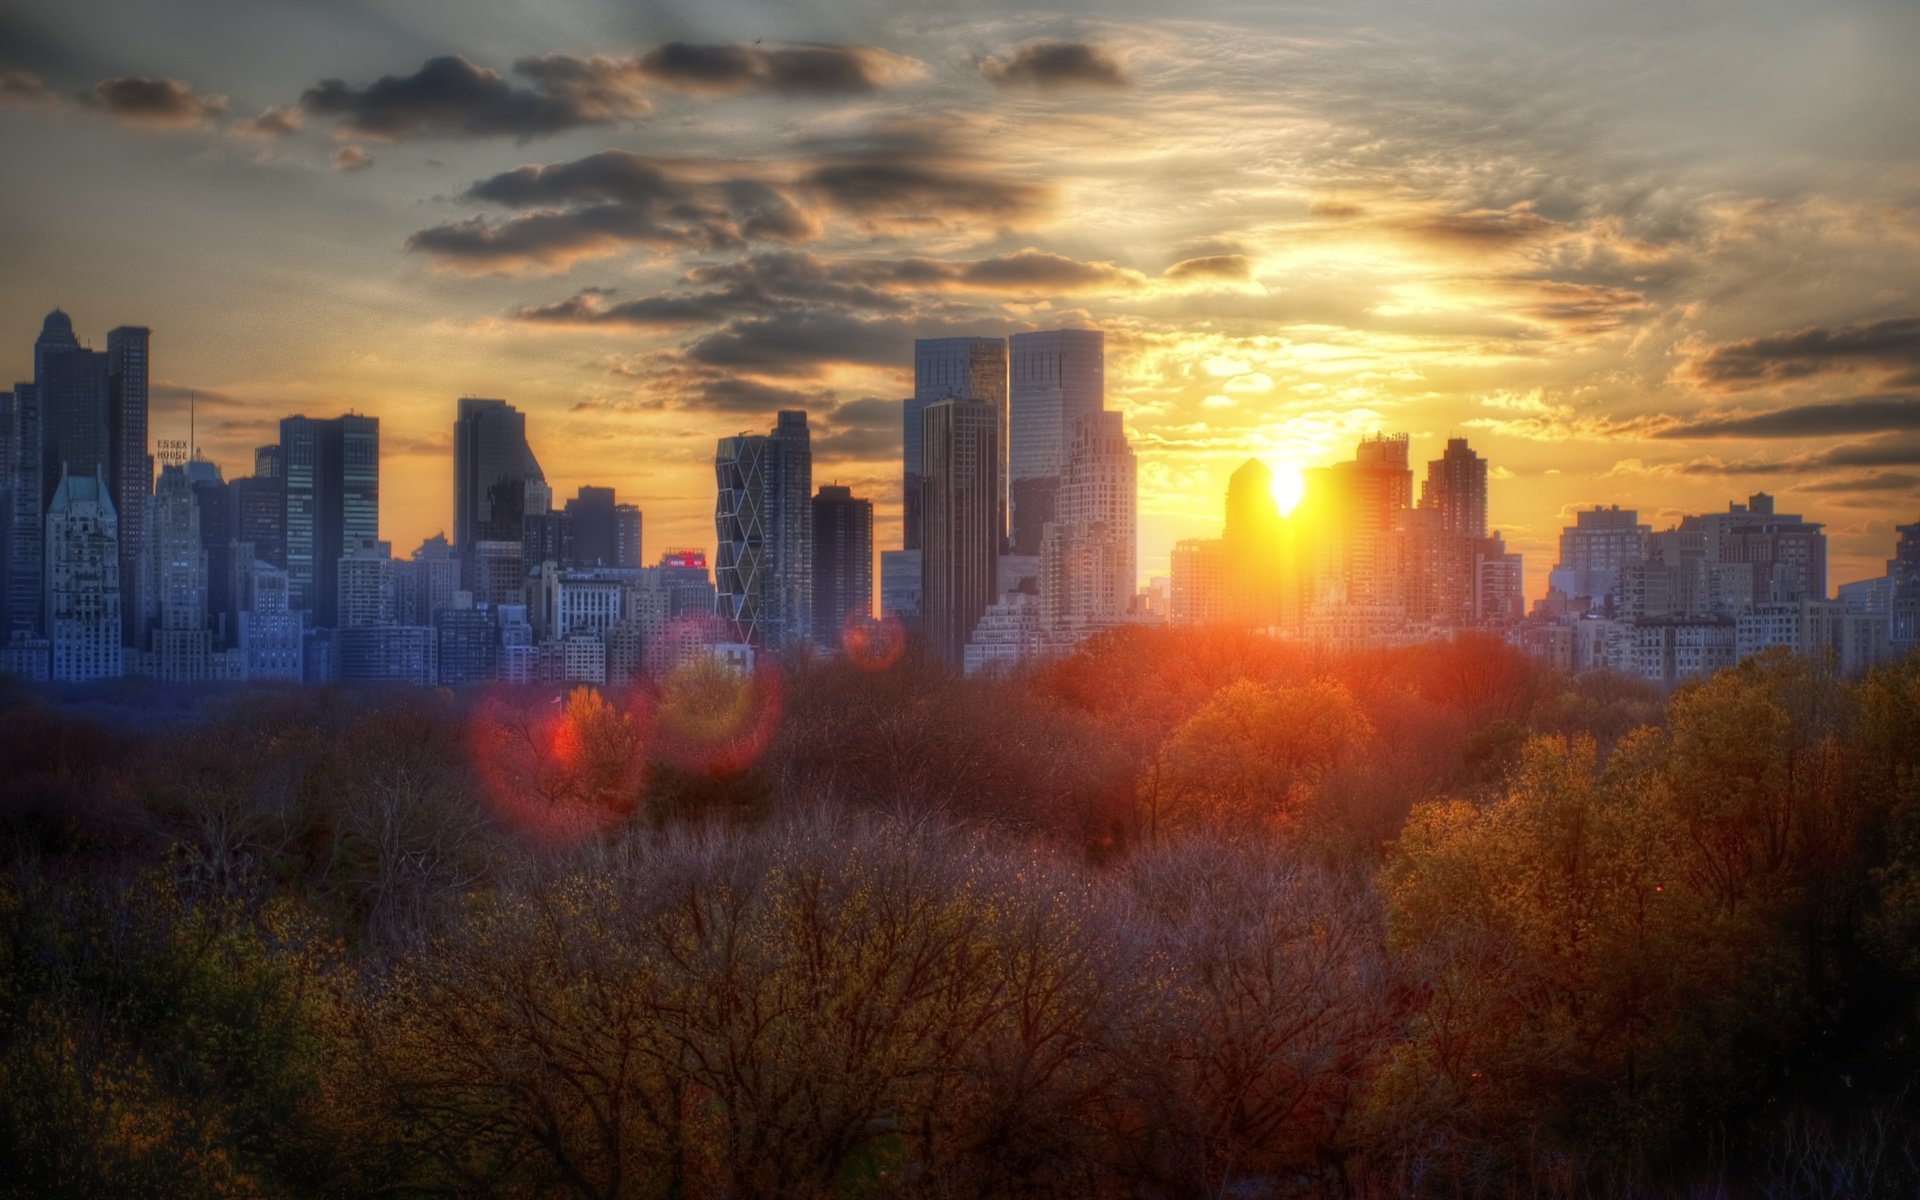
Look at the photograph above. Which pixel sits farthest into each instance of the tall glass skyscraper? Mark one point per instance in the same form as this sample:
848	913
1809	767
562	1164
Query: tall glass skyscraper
332	494
490	449
1057	379
960	557
957	368
130	469
842	561
763	527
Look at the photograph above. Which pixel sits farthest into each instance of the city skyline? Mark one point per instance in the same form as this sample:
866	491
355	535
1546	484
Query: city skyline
1664	267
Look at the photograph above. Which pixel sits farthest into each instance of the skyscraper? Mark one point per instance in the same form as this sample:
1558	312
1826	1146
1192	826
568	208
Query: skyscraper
182	646
1903	602
842	561
959	561
26	594
1456	488
331	472
129	467
74	405
1056	380
1089	551
489	449
83	581
763	527
962	368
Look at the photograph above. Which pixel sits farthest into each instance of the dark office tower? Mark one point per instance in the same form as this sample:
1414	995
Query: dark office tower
26	528
763	526
595	539
1456	488
215	500
842	561
74	409
266	462
1056	380
626	530
260	517
130	467
56	337
490	449
960	368
960	554
332	490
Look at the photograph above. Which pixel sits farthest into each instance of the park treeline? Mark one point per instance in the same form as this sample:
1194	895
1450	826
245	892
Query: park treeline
1189	914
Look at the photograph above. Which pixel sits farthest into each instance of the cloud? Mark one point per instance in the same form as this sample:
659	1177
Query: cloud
24	89
903	191
799	344
1486	227
1337	209
152	103
1212	266
452	98
271	124
351	158
766	283
1867	414
733	69
617	200
1885	481
1891	345
1053	64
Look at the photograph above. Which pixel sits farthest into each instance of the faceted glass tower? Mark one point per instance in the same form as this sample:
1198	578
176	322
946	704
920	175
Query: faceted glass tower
763	529
489	449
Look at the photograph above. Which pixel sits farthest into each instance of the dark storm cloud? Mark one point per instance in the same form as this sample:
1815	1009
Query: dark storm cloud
1052	64
152	103
451	97
666	311
924	191
24	89
1212	266
1885	481
609	201
762	284
556	240
1868	414
271	124
802	343
614	176
732	69
1890	345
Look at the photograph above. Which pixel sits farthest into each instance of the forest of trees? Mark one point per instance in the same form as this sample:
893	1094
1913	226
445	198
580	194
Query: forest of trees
1189	914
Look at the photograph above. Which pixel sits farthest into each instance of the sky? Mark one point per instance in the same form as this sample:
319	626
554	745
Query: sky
1656	254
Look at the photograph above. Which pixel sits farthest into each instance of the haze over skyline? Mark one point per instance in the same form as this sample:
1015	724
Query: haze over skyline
1654	255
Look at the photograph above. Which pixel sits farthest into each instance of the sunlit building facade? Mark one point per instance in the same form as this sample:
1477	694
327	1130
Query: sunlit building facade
1056	379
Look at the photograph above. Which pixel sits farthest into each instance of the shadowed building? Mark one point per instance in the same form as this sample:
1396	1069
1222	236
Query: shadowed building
331	479
83	581
490	449
959	556
842	562
956	368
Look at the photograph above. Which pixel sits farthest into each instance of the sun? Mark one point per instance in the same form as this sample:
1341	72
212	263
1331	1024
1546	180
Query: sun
1287	486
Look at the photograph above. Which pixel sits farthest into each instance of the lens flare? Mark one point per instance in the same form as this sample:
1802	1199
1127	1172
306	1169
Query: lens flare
713	718
873	645
560	769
